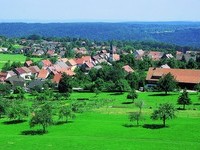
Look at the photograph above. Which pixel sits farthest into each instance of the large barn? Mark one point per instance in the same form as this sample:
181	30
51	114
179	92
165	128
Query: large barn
186	78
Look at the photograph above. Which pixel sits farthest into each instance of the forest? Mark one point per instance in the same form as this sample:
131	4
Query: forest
179	33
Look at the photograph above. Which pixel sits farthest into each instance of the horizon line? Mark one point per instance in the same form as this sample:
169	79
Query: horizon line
98	21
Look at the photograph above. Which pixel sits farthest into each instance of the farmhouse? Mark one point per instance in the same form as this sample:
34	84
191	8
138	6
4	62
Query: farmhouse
186	78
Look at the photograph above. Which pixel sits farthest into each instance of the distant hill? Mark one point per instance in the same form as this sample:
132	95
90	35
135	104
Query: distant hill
179	33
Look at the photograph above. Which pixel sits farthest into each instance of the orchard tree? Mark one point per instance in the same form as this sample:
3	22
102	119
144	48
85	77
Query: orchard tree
139	104
184	99
132	95
66	112
17	110
167	83
42	115
135	116
165	111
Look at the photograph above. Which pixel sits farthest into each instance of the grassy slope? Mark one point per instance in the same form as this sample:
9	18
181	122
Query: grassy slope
103	129
13	57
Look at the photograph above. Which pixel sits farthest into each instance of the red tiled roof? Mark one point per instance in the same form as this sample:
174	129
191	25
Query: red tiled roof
155	55
181	75
116	57
79	61
128	69
89	65
57	78
34	69
68	72
46	62
43	74
72	62
28	63
87	58
3	76
50	52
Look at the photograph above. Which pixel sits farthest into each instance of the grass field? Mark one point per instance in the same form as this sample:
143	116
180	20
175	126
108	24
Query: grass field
13	57
105	129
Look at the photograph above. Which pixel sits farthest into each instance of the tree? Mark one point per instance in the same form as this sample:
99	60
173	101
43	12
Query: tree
17	110
167	83
165	111
184	99
64	85
135	116
197	88
2	108
132	95
139	104
42	115
66	112
191	64
122	85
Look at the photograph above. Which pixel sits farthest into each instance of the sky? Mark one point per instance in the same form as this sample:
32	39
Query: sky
99	10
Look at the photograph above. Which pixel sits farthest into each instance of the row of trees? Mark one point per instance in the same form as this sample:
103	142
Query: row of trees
163	112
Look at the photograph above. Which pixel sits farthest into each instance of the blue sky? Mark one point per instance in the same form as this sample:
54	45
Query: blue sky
99	10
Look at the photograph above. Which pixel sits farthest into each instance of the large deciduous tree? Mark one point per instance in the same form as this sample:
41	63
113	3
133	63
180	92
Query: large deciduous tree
167	83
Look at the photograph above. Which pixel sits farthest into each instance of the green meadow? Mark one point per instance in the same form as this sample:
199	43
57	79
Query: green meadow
106	128
13	57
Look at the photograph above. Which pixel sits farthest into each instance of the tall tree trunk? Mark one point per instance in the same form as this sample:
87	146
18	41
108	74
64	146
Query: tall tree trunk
183	106
137	122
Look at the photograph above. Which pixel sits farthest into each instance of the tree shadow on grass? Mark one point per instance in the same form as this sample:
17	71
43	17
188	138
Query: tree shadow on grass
154	126
162	94
13	122
62	122
117	93
196	104
130	125
127	102
33	132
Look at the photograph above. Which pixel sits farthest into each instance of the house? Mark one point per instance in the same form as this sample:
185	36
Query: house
57	77
34	70
43	74
72	64
38	53
139	54
186	78
10	74
24	72
3	49
62	64
185	57
88	66
51	53
79	61
28	63
35	83
45	63
165	66
16	81
155	56
167	56
128	69
3	76
87	59
114	57
63	60
68	72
